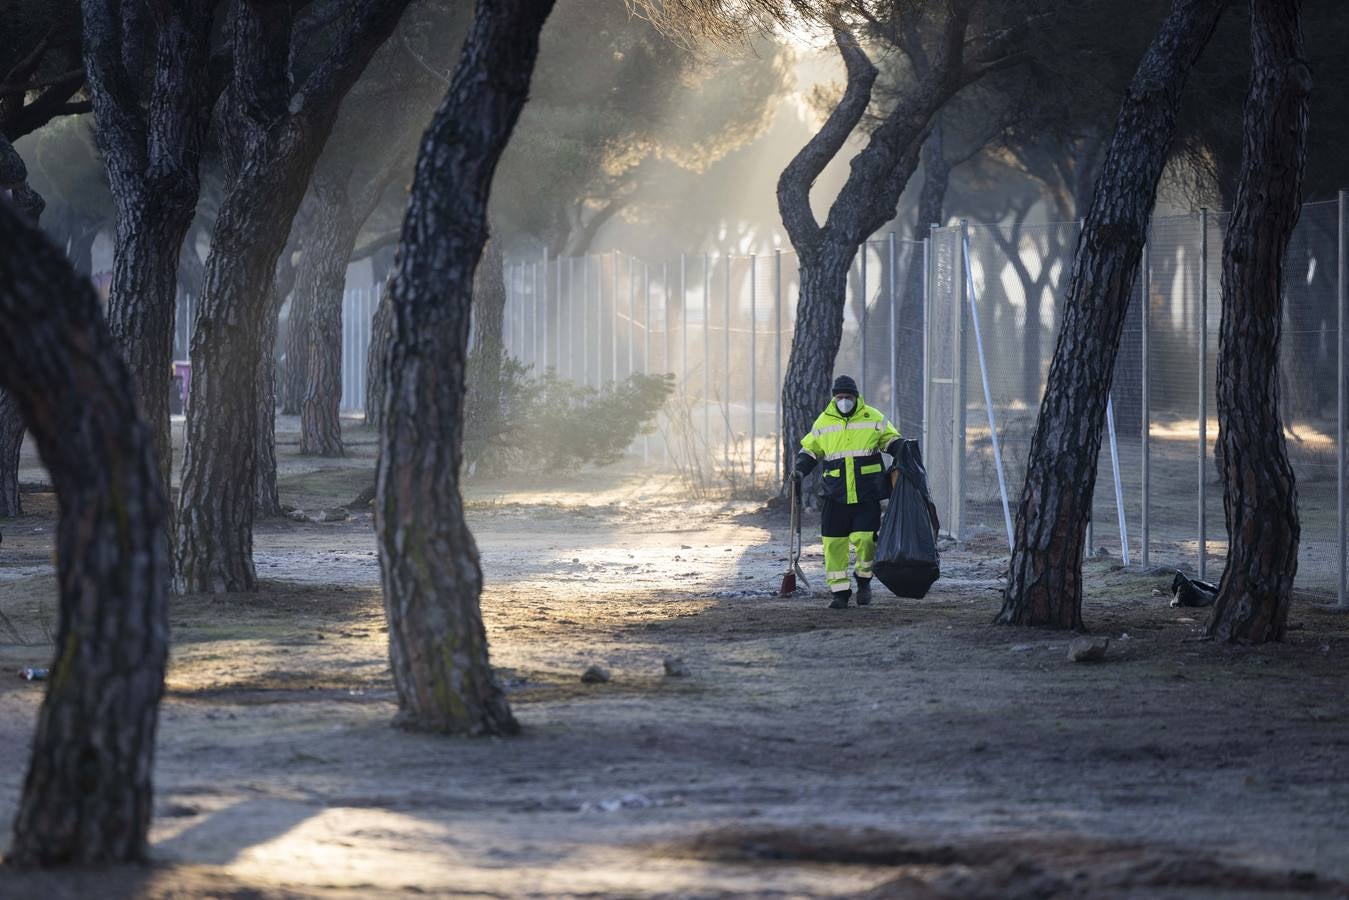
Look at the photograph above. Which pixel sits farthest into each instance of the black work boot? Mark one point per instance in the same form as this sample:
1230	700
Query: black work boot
863	591
840	600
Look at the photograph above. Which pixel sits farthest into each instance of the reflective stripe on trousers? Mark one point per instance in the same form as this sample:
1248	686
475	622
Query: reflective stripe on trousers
836	558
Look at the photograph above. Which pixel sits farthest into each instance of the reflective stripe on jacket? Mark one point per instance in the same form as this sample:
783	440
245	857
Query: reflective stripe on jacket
849	452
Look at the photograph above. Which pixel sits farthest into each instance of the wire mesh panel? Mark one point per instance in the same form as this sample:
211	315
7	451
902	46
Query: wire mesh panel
903	312
723	326
1174	355
358	308
1014	278
945	406
1307	388
1119	471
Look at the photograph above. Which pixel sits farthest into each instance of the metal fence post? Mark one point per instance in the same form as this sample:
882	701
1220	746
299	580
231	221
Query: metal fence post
570	355
508	314
1147	402
777	363
646	318
632	311
557	315
585	322
894	372
707	348
1203	390
646	342
957	398
1340	437
753	362
665	313
727	396
862	320
926	389
683	326
613	329
1119	488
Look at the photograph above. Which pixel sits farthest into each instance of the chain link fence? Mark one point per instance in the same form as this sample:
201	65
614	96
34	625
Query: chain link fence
1158	498
952	338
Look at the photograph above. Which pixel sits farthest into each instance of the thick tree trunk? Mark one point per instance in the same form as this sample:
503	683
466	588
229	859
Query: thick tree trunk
295	375
276	140
1259	494
377	357
266	497
810	365
878	175
323	277
437	643
482	401
1044	585
11	442
215	525
143	303
87	796
152	147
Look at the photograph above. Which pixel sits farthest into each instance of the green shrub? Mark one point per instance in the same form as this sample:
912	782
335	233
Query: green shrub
549	422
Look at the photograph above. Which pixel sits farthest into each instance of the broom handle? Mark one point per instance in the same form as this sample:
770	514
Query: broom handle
794	541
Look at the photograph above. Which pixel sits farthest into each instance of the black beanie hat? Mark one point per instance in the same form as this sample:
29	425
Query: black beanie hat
844	384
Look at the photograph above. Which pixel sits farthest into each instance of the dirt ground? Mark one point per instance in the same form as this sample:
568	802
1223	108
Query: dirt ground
907	750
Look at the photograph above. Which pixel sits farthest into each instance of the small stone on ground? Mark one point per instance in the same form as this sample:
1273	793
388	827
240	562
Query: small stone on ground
595	675
1088	649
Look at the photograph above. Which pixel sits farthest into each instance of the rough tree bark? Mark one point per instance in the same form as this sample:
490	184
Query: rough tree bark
29	204
377	356
1259	493
11	443
150	135
487	356
1044	585
342	212
320	289
432	580
295	376
266	497
87	796
272	141
867	200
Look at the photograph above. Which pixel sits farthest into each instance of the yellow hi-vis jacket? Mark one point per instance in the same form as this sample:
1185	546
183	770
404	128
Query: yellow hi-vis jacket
849	450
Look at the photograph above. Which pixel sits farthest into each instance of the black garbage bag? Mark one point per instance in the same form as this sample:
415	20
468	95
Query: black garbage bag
1192	592
906	545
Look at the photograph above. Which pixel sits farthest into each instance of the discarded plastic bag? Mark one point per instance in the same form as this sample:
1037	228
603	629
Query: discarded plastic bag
1192	592
906	546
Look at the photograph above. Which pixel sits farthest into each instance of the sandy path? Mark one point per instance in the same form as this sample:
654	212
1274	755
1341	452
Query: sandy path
986	764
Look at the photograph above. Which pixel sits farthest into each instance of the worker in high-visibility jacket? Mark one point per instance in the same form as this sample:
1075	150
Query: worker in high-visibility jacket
847	440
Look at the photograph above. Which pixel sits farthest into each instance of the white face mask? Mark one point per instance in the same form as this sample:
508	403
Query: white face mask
845	404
